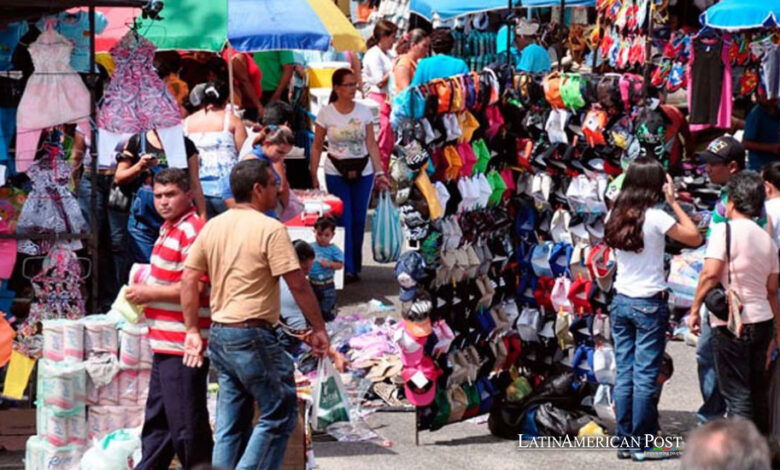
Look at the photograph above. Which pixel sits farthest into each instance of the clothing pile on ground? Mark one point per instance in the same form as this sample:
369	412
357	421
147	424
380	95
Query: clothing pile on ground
502	181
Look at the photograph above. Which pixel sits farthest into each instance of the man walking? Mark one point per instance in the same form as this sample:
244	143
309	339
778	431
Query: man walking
244	252
176	417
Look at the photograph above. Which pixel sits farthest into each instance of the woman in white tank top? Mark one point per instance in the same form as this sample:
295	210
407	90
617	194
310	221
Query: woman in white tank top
218	134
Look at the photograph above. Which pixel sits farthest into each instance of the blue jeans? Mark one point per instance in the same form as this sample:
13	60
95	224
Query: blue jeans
252	366
639	333
714	405
113	269
326	296
355	196
142	238
214	206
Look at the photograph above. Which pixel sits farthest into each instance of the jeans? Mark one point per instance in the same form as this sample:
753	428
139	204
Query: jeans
142	238
326	296
739	363
112	228
214	206
252	366
355	196
639	333
176	417
713	406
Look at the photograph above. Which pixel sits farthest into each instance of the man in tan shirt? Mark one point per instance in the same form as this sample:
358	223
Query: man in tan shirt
244	252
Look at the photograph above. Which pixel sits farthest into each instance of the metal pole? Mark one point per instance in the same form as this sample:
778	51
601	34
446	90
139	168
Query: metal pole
93	239
509	36
561	19
648	46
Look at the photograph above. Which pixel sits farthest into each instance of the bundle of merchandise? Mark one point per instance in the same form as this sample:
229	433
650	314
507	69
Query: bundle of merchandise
119	379
506	199
477	48
61	416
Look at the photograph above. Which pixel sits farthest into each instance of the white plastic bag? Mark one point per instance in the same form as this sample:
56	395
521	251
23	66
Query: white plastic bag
331	402
386	233
603	403
119	450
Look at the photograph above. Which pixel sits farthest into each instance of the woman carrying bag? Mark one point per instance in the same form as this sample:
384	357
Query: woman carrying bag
352	164
636	231
738	283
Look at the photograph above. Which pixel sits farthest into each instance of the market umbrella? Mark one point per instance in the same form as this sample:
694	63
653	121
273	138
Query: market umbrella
259	25
733	15
193	25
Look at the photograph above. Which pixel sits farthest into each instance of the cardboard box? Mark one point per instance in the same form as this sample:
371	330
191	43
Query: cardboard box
16	425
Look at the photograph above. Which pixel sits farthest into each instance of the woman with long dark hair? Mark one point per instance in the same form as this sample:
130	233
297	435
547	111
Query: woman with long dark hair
377	67
412	47
636	231
742	257
352	164
217	134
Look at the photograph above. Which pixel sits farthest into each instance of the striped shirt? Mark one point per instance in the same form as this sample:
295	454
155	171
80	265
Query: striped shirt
166	320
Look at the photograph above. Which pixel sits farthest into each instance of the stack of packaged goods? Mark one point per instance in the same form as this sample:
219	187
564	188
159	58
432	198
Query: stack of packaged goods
61	405
93	379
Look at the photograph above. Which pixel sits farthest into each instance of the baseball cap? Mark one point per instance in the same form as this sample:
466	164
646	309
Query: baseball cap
526	28
724	149
420	382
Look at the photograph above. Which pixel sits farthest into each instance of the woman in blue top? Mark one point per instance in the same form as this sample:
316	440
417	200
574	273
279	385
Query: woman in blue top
271	145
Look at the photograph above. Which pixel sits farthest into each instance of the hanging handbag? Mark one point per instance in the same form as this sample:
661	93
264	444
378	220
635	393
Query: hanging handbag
118	199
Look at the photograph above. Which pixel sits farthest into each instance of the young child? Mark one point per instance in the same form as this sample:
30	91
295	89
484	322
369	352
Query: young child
329	258
771	175
295	327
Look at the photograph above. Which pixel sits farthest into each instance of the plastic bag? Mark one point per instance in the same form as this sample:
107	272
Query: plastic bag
603	403
331	401
386	234
119	450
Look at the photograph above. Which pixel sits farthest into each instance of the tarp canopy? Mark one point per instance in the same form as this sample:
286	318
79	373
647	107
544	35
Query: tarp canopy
290	24
447	9
554	3
734	15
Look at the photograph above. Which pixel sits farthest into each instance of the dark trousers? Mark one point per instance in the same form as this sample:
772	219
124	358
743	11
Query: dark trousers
739	363
177	419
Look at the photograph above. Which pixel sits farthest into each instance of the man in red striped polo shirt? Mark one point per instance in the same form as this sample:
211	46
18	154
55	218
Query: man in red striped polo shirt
176	418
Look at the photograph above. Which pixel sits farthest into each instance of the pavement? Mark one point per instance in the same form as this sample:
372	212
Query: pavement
467	445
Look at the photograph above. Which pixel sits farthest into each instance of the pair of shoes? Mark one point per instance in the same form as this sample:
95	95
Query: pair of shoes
351	278
623	454
645	455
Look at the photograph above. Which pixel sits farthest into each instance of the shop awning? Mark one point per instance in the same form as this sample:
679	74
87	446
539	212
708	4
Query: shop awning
447	9
11	10
733	15
554	3
260	25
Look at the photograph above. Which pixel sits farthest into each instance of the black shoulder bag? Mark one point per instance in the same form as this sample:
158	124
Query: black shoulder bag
717	299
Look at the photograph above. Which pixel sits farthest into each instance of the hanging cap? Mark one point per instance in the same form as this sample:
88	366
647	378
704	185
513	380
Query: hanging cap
526	28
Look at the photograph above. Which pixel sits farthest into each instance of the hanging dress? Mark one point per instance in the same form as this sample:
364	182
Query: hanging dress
137	100
54	95
50	207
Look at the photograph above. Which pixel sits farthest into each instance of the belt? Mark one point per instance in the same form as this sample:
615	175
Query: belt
320	283
251	323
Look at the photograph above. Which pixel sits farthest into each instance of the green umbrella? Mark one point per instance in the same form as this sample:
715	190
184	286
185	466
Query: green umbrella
195	25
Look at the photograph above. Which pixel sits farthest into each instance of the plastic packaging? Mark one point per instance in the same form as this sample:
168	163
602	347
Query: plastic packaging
113	452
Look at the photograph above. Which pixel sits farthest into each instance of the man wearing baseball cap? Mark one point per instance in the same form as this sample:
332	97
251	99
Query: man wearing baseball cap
725	157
